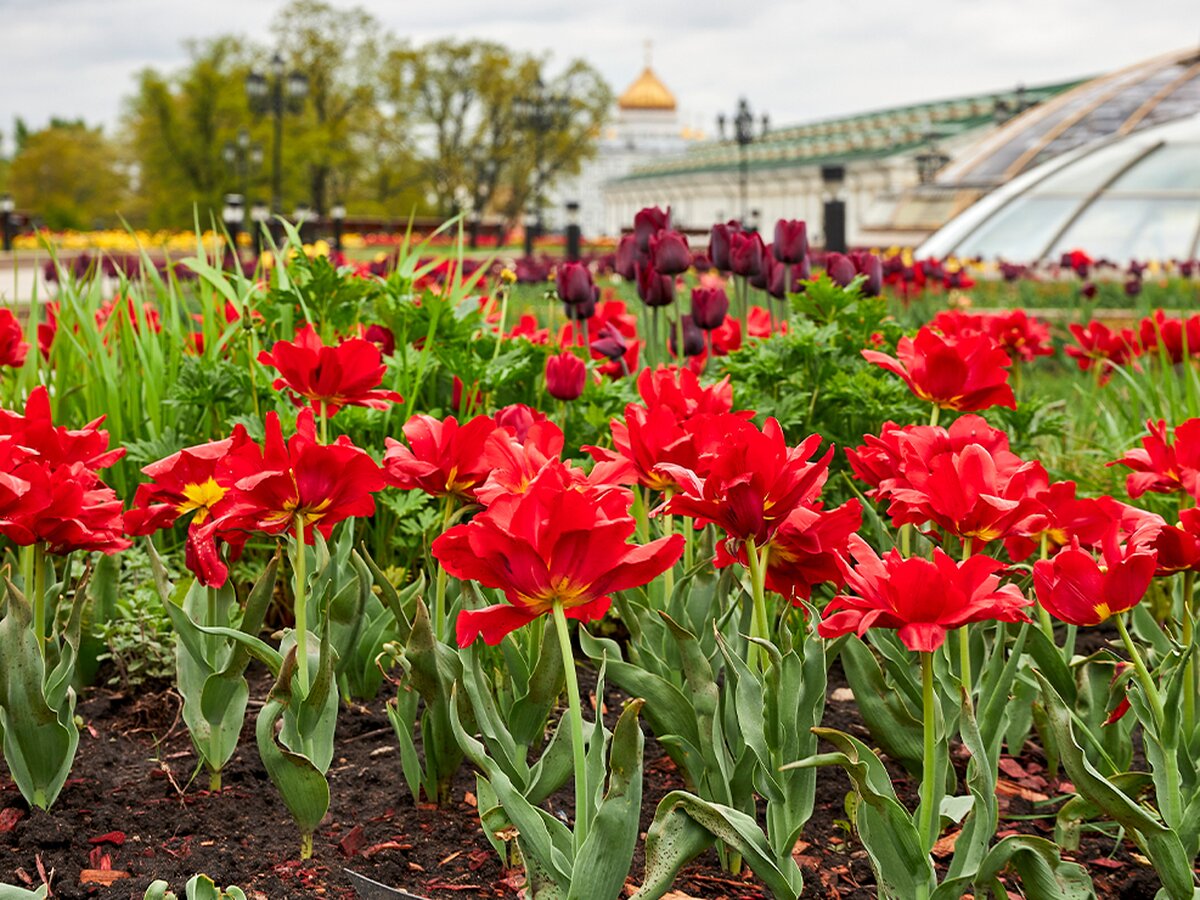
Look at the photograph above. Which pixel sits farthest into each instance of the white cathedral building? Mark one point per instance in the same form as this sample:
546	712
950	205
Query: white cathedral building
646	128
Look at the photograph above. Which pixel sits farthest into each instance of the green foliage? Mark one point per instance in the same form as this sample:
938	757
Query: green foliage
68	173
136	633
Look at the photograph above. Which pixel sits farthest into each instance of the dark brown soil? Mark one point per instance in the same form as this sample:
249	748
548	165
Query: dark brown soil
134	807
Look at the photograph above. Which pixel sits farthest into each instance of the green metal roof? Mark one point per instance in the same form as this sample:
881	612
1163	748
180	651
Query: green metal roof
871	135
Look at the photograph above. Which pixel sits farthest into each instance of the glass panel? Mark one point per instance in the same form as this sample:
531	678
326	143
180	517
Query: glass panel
1021	230
1123	228
1174	167
1090	172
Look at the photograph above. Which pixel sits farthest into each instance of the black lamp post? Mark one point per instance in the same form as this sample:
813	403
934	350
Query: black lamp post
234	215
574	232
541	112
278	93
834	209
260	215
744	135
6	220
338	215
243	159
302	215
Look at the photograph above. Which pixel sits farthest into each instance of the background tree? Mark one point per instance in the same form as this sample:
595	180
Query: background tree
69	174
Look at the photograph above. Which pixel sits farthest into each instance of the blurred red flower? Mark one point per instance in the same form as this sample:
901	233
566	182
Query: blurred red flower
967	373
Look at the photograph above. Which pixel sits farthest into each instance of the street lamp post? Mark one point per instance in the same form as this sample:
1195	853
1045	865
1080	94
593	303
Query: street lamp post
277	94
744	134
574	232
834	208
338	214
243	159
541	112
6	216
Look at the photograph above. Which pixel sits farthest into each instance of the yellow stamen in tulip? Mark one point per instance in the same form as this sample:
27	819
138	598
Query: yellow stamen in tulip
202	497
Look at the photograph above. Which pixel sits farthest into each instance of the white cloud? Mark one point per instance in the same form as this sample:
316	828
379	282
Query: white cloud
796	59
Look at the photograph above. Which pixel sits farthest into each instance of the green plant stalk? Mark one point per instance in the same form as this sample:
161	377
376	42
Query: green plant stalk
680	356
301	613
324	422
1044	616
964	633
929	767
39	595
758	594
575	711
503	323
668	528
1189	676
306	846
1173	813
935	414
440	628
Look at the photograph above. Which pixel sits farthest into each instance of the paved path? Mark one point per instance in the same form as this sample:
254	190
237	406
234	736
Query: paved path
21	280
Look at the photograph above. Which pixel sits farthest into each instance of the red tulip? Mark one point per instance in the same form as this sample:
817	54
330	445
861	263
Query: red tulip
1162	467
302	483
965	374
517	419
442	458
840	269
1077	589
558	543
921	599
1021	337
513	462
329	377
13	346
1175	338
626	257
647	223
1100	346
566	375
681	390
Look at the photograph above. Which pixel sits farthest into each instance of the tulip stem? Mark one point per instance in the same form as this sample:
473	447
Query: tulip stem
680	354
504	292
575	711
1188	636
324	422
758	593
301	601
440	627
1149	688
1043	613
964	633
935	415
39	596
926	812
668	528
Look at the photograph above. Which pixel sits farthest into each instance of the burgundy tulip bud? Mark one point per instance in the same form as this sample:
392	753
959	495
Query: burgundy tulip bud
649	222
1088	290
693	338
1133	286
654	288
566	375
791	240
1187	268
669	253
840	269
762	279
585	309
779	277
700	261
801	273
710	306
382	337
745	253
626	256
718	244
868	264
574	283
610	343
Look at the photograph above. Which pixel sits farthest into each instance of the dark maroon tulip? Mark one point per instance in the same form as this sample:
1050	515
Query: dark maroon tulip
1133	286
709	307
869	264
382	337
764	271
626	256
718	244
840	269
893	265
566	375
693	339
779	276
700	261
654	288
669	253
574	282
610	343
791	240
1088	290
585	309
1011	272
745	253
649	222
801	273
1187	267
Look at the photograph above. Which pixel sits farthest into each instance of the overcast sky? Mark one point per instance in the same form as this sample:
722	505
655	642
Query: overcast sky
796	59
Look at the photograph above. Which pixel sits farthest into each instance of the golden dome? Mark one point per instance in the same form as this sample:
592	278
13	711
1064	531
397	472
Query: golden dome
647	92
